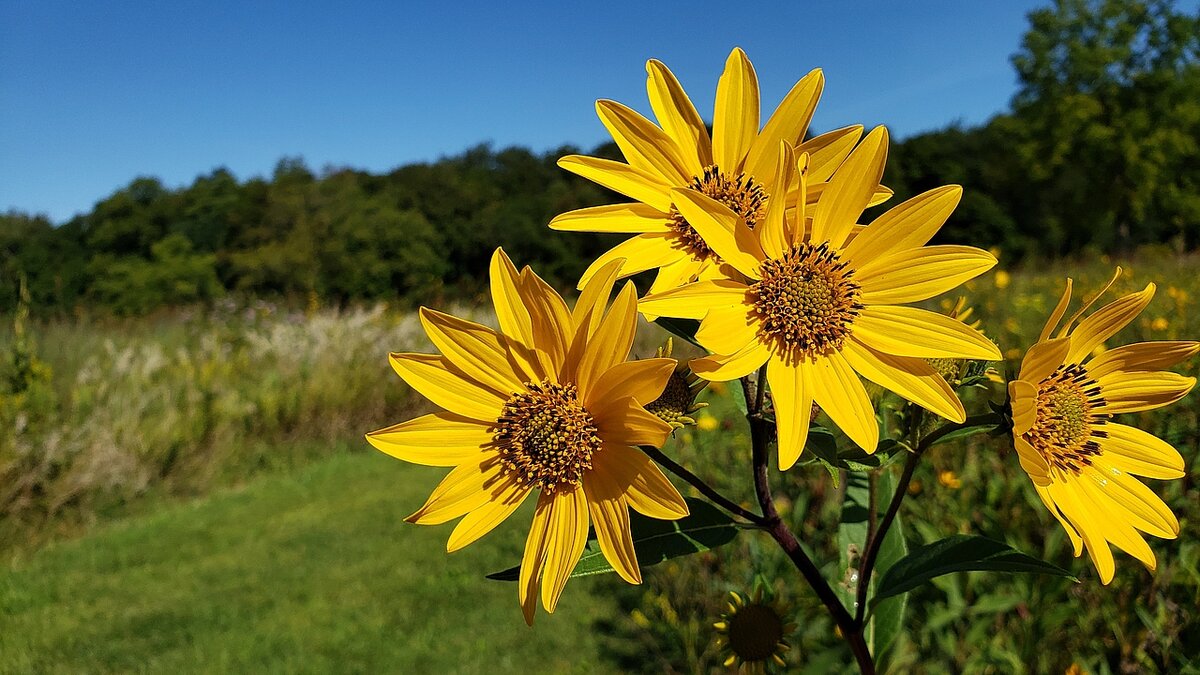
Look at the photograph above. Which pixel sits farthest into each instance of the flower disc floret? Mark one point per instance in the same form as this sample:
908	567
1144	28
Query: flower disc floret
740	193
546	438
1067	425
806	301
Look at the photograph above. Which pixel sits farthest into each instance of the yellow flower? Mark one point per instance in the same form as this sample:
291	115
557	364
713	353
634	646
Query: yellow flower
949	479
1160	324
820	310
753	633
550	405
736	167
1001	279
707	423
1081	462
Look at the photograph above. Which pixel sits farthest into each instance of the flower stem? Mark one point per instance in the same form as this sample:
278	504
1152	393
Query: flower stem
876	540
704	488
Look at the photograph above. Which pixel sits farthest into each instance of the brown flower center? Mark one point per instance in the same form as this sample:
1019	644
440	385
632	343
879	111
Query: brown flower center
740	193
1067	427
806	301
755	632
677	400
546	438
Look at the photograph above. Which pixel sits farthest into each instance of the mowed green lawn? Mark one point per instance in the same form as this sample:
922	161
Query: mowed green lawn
311	572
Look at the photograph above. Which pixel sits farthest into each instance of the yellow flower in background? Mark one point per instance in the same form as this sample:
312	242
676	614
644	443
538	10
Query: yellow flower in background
1081	462
1159	324
949	479
753	633
550	405
736	168
1001	279
820	308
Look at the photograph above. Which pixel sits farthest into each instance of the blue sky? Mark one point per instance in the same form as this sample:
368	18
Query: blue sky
95	94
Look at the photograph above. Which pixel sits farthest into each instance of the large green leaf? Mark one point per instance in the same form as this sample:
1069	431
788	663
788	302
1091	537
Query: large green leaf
959	553
683	328
705	528
887	620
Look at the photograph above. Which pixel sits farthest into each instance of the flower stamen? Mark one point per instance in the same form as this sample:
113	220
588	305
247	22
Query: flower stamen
546	438
740	193
1067	429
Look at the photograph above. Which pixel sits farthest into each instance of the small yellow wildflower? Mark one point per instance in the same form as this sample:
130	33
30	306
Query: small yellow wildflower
949	479
1001	279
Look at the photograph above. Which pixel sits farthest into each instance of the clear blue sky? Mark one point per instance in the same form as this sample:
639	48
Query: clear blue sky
95	94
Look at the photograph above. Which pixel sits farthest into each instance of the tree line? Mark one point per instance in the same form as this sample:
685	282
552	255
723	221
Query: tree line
1099	152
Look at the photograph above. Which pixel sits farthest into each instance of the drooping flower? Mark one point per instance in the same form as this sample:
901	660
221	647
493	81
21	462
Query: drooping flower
735	168
821	307
547	405
1082	463
753	633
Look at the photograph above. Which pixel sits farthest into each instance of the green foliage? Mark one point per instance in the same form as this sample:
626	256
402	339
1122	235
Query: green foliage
173	275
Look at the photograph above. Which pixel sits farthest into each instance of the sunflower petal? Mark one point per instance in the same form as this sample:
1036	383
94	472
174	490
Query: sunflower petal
1142	356
1057	314
467	487
678	117
610	517
723	230
905	226
612	341
735	117
641	253
1105	322
536	546
437	380
920	274
1076	540
1140	506
787	125
485	518
646	187
839	392
625	422
1032	461
478	351
1138	391
723	368
913	379
593	298
1139	453
772	231
1043	359
647	490
511	311
850	190
552	325
622	218
727	330
828	151
911	331
642	143
1066	496
792	394
642	380
568	534
694	300
1023	398
437	439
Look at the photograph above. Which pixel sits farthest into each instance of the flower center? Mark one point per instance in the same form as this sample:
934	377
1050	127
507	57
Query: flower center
740	193
546	437
1066	428
755	632
806	301
677	400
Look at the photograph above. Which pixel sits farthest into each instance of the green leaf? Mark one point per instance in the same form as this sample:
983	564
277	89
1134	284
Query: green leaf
683	328
959	553
887	620
655	541
960	434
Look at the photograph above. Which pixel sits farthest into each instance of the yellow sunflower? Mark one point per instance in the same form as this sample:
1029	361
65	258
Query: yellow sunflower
753	633
550	405
736	167
820	308
1081	462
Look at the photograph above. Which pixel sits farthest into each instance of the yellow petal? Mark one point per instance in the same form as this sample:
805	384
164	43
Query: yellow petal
1136	452
1072	533
1032	461
469	486
1057	314
610	517
641	253
552	325
920	274
905	226
437	380
787	125
643	144
694	300
625	422
1116	530
1142	356
536	546
772	231
735	117
913	379
1138	391
624	218
485	518
612	341
1066	327
839	392
1023	397
911	331
850	190
642	380
1105	322
478	351
678	117
723	230
644	186
827	151
568	530
792	395
723	368
727	330
1139	505
593	298
438	439
1090	528
676	274
1043	359
511	311
647	490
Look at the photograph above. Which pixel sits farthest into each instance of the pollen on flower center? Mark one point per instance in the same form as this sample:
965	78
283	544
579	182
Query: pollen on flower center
740	193
545	437
1066	428
806	301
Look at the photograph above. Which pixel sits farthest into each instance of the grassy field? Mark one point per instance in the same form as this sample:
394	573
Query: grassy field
311	572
